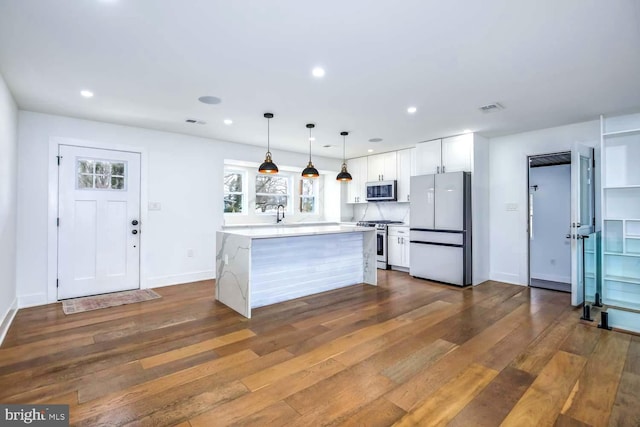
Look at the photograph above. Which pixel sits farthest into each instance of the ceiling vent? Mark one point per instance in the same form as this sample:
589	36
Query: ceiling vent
194	121
490	108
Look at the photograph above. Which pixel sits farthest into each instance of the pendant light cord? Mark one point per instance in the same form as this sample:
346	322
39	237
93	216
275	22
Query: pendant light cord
344	141
268	136
309	145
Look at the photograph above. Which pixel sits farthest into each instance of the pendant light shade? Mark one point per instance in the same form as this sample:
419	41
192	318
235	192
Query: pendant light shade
268	166
344	175
310	171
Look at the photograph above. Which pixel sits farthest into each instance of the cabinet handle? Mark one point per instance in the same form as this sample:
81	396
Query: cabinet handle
438	169
398	240
407	197
442	168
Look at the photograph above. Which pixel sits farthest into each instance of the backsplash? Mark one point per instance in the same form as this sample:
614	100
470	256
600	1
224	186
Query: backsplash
373	211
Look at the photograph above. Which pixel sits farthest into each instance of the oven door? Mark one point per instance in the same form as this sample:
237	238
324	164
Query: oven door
381	248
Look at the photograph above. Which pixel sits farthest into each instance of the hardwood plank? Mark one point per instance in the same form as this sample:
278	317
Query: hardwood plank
597	386
170	356
582	340
407	367
542	402
626	411
443	406
632	363
278	414
567	421
377	413
491	406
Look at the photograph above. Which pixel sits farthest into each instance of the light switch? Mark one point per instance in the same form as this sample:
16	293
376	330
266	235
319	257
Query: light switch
155	206
511	207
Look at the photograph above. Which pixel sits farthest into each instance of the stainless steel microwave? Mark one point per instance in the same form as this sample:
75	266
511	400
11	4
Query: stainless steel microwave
381	191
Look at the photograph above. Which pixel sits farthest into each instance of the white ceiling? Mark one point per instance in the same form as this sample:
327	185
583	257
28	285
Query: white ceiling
548	62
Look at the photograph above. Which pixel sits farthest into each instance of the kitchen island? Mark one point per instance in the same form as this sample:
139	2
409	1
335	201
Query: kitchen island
261	266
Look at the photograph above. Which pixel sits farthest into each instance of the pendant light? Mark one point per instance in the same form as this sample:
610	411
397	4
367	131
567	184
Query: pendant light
344	175
310	171
268	166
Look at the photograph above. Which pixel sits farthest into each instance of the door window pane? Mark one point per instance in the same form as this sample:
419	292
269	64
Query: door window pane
101	174
586	193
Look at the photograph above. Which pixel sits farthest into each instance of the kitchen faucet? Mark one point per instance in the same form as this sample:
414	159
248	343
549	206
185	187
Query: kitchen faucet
278	219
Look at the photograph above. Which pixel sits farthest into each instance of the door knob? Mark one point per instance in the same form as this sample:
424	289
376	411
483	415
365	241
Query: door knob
134	231
134	222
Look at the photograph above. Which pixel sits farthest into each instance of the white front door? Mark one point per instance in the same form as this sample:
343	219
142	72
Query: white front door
99	214
582	214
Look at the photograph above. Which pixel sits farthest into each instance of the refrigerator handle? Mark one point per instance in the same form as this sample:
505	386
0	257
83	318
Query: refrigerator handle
438	169
442	168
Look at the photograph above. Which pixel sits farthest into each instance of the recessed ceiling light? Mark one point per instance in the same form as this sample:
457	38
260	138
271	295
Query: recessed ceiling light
86	93
411	110
228	122
318	72
375	140
370	150
311	138
211	100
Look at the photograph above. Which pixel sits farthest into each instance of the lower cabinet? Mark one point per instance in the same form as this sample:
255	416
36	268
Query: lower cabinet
398	246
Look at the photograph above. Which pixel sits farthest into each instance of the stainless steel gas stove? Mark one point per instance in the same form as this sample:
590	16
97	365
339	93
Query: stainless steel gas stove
381	239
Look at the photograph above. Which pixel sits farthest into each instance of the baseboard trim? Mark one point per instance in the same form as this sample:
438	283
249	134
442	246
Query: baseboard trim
551	277
178	279
32	300
513	279
8	319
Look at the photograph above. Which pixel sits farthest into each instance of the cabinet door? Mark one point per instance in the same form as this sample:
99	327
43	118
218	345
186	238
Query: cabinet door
405	170
428	157
406	255
457	153
375	167
394	250
389	166
356	190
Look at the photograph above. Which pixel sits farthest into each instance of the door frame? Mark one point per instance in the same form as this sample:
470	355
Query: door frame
529	156
52	205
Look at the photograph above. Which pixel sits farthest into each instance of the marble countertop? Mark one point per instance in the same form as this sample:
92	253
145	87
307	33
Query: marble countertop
289	231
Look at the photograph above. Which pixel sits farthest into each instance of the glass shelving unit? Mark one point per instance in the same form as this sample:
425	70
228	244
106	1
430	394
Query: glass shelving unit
621	220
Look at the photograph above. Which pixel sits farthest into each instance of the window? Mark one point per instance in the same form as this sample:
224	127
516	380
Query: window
100	174
308	195
234	197
271	191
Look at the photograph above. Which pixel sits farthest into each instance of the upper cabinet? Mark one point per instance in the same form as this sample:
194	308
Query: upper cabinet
382	167
454	154
357	190
406	161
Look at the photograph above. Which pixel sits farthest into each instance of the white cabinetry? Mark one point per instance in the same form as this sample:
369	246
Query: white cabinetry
398	246
382	167
406	161
621	220
453	154
357	190
429	157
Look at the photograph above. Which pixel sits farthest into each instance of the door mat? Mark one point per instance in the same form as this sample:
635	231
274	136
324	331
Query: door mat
78	305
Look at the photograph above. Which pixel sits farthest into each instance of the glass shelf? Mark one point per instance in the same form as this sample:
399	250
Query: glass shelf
610	278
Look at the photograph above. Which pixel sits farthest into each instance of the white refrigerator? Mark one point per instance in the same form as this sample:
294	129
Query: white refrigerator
440	235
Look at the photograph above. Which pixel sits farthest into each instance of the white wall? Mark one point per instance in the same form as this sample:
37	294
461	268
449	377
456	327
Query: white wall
184	174
550	249
8	193
509	192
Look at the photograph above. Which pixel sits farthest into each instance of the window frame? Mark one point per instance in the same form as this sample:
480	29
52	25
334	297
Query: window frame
244	209
290	196
315	196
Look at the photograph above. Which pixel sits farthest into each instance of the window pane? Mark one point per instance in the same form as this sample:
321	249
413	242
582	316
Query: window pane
307	204
233	203
271	184
85	166
85	181
102	168
117	183
103	181
306	187
117	169
233	183
269	204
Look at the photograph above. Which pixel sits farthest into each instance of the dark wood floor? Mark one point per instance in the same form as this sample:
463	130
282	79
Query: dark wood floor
407	352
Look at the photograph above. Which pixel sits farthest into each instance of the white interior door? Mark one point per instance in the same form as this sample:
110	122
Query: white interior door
582	214
99	214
